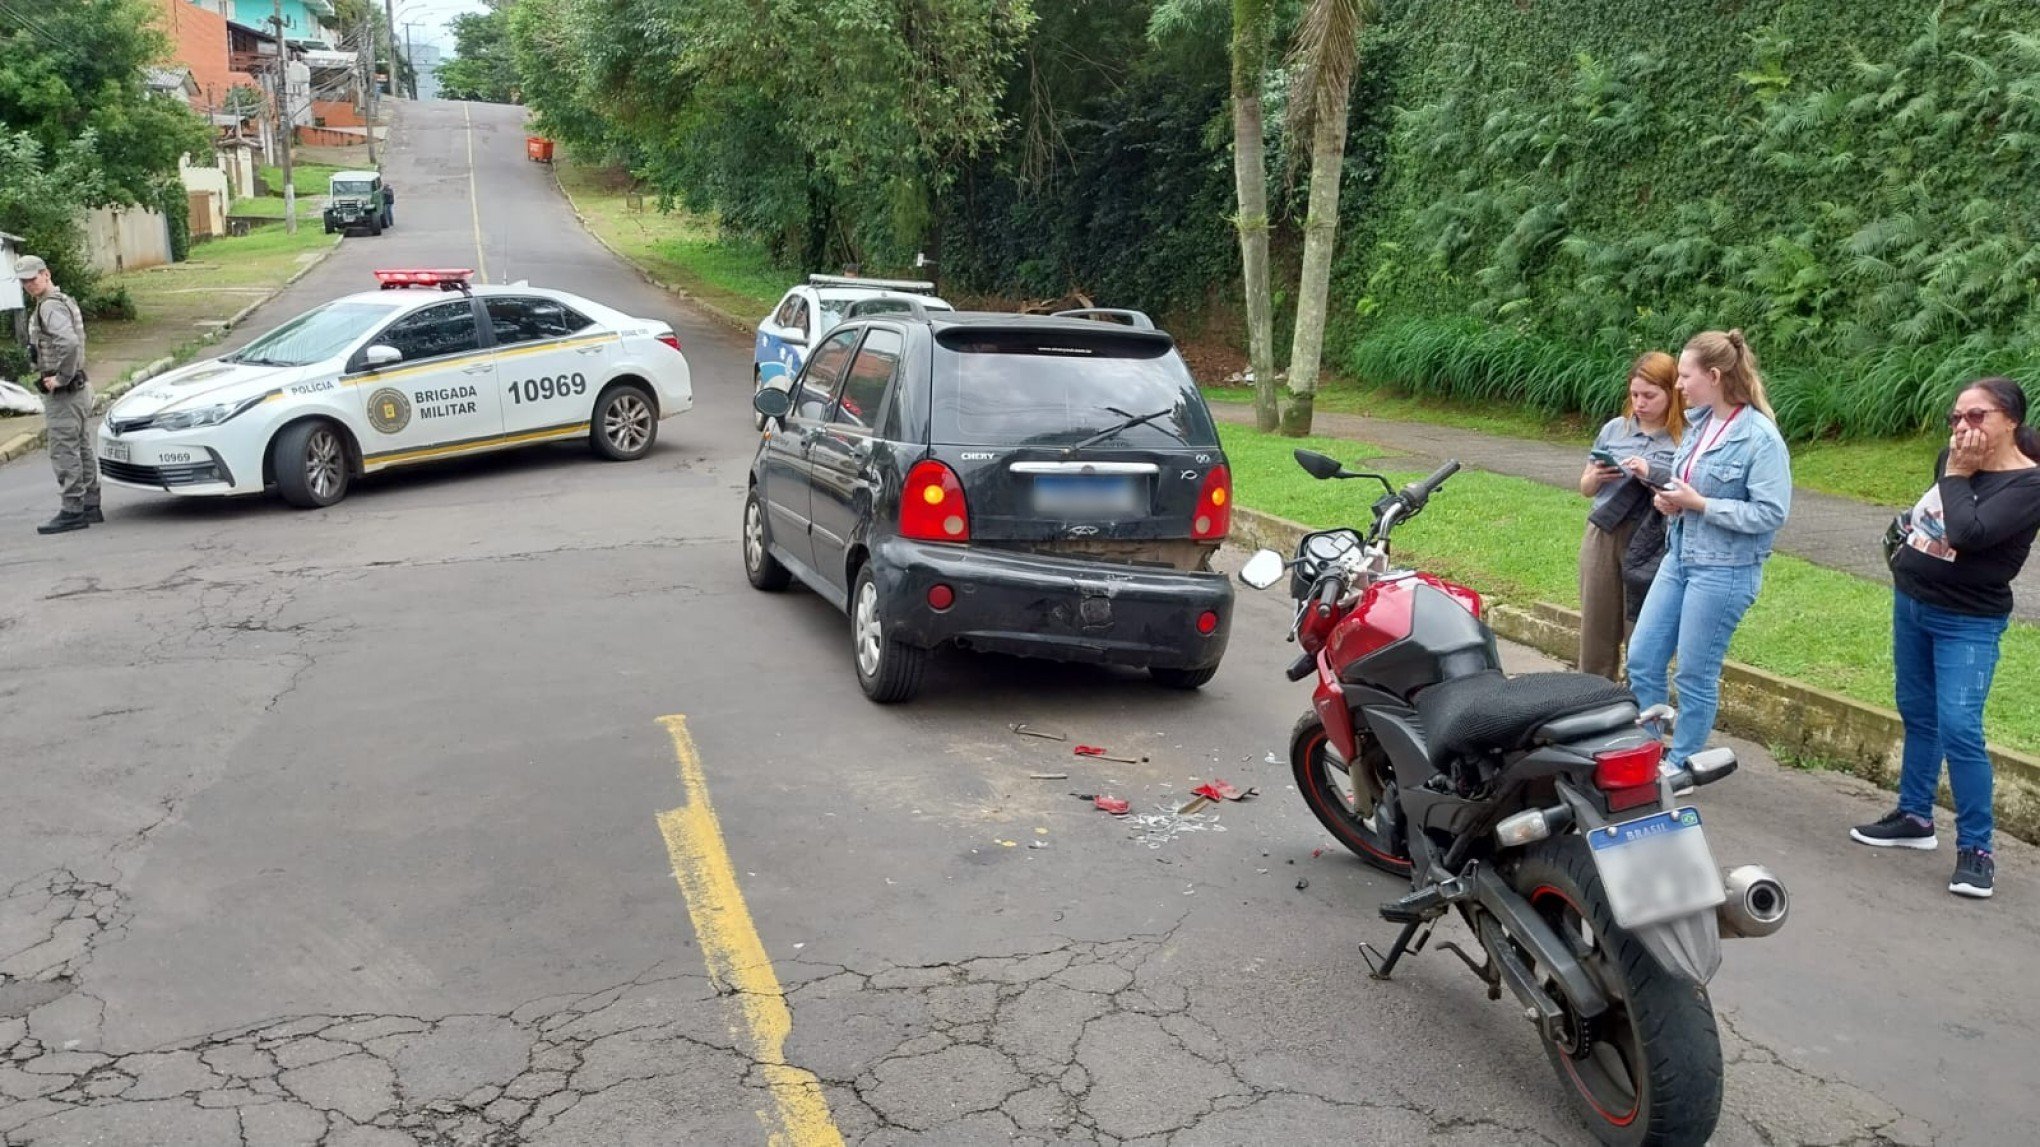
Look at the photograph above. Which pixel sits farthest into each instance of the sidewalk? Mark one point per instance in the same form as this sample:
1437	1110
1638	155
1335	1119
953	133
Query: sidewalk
1837	533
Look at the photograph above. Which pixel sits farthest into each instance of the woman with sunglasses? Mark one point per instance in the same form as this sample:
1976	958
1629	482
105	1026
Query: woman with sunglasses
1965	540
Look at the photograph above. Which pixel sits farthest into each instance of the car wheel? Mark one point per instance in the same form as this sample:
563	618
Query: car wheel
757	419
375	225
1182	678
329	228
311	465
625	424
887	671
763	570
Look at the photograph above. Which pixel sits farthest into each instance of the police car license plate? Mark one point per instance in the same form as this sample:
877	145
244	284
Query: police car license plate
113	451
1085	495
1656	868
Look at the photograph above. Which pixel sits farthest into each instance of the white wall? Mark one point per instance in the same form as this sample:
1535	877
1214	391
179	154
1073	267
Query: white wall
124	239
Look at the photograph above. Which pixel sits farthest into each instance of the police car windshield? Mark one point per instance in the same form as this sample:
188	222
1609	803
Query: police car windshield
314	336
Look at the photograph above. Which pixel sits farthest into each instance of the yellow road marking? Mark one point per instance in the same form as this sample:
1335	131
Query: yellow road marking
474	197
737	962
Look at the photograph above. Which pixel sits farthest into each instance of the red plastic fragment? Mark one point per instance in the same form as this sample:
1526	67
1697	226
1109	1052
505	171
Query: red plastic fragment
1113	805
1088	751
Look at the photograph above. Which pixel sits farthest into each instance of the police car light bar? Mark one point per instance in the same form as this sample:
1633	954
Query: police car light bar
445	278
884	284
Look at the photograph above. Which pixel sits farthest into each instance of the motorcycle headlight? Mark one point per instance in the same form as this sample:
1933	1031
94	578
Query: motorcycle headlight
203	415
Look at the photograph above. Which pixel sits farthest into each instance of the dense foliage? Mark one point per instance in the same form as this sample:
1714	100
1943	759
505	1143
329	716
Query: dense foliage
482	67
78	126
1572	181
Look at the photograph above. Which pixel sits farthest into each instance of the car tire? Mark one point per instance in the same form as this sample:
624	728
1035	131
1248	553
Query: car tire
312	469
375	225
1182	678
329	228
760	567
889	672
625	423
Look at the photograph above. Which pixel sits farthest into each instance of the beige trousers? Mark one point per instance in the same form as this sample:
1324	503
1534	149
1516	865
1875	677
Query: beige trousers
1603	627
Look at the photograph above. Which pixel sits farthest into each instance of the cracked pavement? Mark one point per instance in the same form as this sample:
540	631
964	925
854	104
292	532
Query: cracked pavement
339	829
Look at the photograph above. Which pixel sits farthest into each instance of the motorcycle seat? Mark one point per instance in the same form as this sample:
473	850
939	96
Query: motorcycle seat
1487	712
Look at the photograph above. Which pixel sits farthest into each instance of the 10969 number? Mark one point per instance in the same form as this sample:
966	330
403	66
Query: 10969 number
555	386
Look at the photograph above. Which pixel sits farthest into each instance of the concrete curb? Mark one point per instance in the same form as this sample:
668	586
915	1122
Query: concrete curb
33	440
1799	721
685	295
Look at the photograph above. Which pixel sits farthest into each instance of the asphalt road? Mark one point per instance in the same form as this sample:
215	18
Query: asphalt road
346	828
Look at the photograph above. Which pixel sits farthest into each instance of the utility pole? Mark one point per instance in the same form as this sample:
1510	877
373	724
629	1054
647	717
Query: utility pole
390	12
288	126
411	57
367	47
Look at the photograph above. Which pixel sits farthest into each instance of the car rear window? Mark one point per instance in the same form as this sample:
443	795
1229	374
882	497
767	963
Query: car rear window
1055	387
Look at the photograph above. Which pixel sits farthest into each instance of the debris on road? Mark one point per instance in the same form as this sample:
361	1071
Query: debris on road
1113	805
1302	882
1022	728
1048	776
1214	791
1097	752
1166	824
1272	759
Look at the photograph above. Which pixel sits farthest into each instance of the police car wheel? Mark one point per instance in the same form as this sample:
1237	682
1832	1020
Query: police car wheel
625	424
311	465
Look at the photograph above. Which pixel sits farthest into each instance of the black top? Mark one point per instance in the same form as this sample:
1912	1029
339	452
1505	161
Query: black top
1991	519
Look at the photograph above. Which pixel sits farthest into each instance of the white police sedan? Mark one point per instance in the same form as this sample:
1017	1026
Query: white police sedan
392	377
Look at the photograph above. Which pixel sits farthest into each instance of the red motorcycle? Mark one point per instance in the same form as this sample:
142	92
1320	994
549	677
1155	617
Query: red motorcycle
1538	808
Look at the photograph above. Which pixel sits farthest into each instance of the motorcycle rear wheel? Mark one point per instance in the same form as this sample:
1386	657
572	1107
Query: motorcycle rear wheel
1649	1071
1329	793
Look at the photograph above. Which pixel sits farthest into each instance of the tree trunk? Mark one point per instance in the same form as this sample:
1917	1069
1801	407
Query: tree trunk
1320	231
1250	177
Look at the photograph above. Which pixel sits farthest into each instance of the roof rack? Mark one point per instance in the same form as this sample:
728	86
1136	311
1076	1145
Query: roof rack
1138	320
909	303
445	278
915	285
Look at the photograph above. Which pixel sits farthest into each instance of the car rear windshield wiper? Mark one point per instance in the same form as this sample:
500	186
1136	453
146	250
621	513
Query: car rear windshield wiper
1129	422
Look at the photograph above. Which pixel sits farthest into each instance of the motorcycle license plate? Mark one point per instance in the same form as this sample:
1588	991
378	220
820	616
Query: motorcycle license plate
1656	868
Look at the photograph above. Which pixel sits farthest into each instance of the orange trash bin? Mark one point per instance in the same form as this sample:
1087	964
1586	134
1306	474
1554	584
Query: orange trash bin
538	148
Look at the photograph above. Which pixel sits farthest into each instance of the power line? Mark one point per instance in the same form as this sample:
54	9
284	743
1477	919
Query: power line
32	27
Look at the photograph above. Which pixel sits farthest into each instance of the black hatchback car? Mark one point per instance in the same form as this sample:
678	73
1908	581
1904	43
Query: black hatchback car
1048	486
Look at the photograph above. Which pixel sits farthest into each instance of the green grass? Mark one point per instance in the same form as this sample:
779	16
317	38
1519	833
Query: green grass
309	178
1518	541
677	247
1886	471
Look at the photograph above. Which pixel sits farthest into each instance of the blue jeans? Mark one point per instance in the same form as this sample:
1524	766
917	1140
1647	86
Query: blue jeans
1945	661
1691	611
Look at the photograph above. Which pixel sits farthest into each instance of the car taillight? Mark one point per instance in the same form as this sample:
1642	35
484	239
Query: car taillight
670	339
1207	622
1214	506
932	508
1629	776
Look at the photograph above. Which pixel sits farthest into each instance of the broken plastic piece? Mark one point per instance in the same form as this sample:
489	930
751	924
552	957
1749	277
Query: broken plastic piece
1113	805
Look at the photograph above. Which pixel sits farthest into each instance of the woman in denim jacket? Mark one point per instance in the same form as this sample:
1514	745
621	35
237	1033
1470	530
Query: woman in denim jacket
1727	492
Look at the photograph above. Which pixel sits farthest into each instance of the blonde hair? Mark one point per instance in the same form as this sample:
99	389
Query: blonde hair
1729	353
1661	371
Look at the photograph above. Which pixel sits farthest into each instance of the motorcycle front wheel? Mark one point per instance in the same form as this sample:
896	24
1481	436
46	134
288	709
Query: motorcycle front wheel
1331	795
1647	1072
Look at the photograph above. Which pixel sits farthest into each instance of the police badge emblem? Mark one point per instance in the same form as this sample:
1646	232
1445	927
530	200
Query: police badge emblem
388	410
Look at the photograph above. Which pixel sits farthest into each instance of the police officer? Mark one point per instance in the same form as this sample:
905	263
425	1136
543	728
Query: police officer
56	343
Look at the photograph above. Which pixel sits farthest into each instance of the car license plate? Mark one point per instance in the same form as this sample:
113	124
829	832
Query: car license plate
1085	495
112	450
1656	868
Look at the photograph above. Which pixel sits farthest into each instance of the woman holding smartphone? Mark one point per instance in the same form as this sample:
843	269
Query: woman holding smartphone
1729	490
1649	428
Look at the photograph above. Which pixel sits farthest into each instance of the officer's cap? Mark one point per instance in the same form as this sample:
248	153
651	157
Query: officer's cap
29	266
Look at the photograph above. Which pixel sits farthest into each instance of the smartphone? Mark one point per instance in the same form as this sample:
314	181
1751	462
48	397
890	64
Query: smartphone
1605	458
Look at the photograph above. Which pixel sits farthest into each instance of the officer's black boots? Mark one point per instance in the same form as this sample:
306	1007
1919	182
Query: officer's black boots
66	521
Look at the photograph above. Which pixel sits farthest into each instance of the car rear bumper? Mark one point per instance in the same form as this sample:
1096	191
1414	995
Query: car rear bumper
1041	606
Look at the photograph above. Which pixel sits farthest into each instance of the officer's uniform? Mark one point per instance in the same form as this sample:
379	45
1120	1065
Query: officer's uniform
56	333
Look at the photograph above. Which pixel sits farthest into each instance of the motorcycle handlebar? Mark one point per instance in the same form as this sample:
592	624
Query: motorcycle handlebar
1419	493
1328	593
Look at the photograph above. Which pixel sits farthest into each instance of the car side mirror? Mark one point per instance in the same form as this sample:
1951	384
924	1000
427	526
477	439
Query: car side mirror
1264	569
381	355
1319	465
772	402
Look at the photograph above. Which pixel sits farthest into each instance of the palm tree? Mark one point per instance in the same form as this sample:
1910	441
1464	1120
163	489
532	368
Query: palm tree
1250	176
1326	54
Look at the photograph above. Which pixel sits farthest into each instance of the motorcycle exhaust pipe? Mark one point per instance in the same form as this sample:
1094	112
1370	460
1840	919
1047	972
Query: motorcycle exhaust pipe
1757	903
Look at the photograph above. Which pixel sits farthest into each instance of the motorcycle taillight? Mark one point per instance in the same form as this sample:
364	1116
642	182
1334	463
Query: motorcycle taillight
1629	776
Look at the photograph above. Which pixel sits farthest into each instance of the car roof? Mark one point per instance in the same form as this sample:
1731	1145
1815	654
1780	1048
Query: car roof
357	175
1009	321
407	296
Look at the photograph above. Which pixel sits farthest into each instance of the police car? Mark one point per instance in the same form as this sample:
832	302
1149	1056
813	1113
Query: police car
393	377
809	311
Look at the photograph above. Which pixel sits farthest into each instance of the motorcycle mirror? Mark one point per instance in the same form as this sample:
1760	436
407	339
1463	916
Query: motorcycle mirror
1320	465
1264	569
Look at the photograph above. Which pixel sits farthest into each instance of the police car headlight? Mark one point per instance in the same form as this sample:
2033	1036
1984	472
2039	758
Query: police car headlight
203	415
